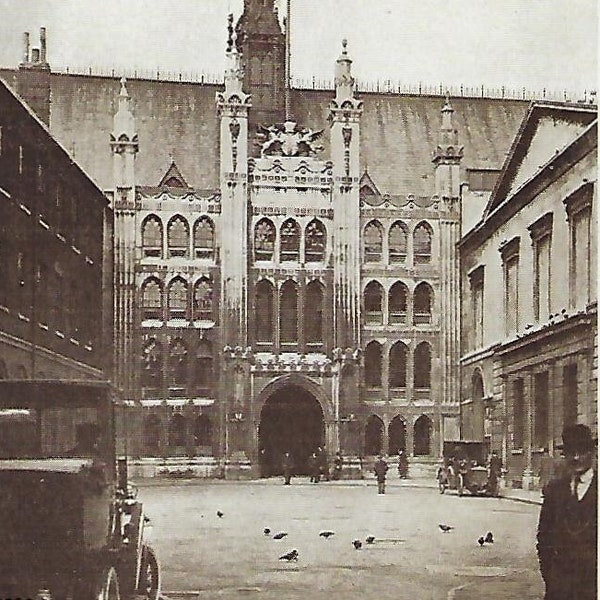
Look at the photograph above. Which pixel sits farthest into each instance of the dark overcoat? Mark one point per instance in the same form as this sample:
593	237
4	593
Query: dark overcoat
567	541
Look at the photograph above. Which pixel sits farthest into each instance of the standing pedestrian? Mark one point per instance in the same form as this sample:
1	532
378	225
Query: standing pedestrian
381	469
338	463
287	468
494	473
567	529
402	464
313	468
323	464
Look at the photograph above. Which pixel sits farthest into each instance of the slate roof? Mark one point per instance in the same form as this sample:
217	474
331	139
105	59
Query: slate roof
178	121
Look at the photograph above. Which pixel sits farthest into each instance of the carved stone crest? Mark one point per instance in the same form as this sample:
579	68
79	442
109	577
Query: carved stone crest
288	139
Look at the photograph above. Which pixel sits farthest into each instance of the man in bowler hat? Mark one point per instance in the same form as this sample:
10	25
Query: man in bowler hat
567	529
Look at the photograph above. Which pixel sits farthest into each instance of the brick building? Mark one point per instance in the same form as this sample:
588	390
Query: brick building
54	314
529	294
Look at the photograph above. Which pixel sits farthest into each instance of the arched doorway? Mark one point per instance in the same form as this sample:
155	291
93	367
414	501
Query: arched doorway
373	436
423	429
291	420
397	435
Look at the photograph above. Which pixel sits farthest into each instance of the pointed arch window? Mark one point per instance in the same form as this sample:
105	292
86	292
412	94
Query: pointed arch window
423	302
203	300
398	243
398	303
178	299
152	237
152	373
398	355
203	367
373	365
373	245
313	314
290	241
288	319
374	303
315	241
422	366
422	244
152	300
264	240
178	237
204	238
177	430
263	314
178	363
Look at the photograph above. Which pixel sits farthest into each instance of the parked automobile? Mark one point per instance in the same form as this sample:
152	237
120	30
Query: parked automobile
71	525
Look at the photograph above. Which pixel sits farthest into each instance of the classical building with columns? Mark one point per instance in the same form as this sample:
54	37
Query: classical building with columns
285	264
529	295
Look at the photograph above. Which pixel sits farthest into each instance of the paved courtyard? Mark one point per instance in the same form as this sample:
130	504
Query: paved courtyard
204	556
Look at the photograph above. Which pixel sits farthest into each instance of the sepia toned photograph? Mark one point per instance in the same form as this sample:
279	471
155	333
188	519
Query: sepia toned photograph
298	300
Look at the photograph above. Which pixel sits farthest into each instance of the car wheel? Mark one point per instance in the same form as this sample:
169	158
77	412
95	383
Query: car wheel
149	581
107	585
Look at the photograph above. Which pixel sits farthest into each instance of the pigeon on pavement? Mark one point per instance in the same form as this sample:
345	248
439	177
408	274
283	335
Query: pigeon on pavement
327	534
489	538
220	514
445	528
481	541
370	539
266	531
291	555
357	544
280	535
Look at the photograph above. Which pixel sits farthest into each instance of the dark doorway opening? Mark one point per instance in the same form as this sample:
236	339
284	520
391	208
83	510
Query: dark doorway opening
373	436
290	421
397	435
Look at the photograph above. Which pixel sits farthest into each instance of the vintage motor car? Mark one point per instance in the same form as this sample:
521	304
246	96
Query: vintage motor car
463	469
71	525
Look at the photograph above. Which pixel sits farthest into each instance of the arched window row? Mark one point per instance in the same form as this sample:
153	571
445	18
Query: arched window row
290	243
394	245
291	314
177	368
180	431
374	436
398	304
178	238
401	361
177	299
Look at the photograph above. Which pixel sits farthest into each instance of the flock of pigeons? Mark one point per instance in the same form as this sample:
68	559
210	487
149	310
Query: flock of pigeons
293	555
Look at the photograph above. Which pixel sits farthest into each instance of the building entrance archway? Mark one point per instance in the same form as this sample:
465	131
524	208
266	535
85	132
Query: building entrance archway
291	420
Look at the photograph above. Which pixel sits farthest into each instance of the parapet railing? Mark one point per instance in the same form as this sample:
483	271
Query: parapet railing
386	86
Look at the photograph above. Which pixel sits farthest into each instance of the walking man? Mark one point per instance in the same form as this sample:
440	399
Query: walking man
567	529
380	468
287	468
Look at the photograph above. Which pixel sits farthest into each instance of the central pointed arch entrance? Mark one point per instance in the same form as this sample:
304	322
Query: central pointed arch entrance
291	420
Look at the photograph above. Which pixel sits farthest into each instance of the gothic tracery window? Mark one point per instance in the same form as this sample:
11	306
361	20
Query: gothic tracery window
178	299
398	303
374	303
398	242
313	315
178	237
203	300
315	241
151	300
264	312
204	238
423	302
178	362
151	373
398	355
288	322
422	244
264	240
203	368
152	237
373	243
422	366
373	365
290	241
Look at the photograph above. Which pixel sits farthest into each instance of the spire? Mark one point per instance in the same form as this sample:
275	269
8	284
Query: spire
344	82
448	147
124	121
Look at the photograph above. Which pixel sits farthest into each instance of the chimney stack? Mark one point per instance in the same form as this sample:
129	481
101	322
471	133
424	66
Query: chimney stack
33	77
26	47
43	44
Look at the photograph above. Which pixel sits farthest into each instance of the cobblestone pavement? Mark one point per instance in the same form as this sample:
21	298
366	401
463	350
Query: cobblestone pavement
205	557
